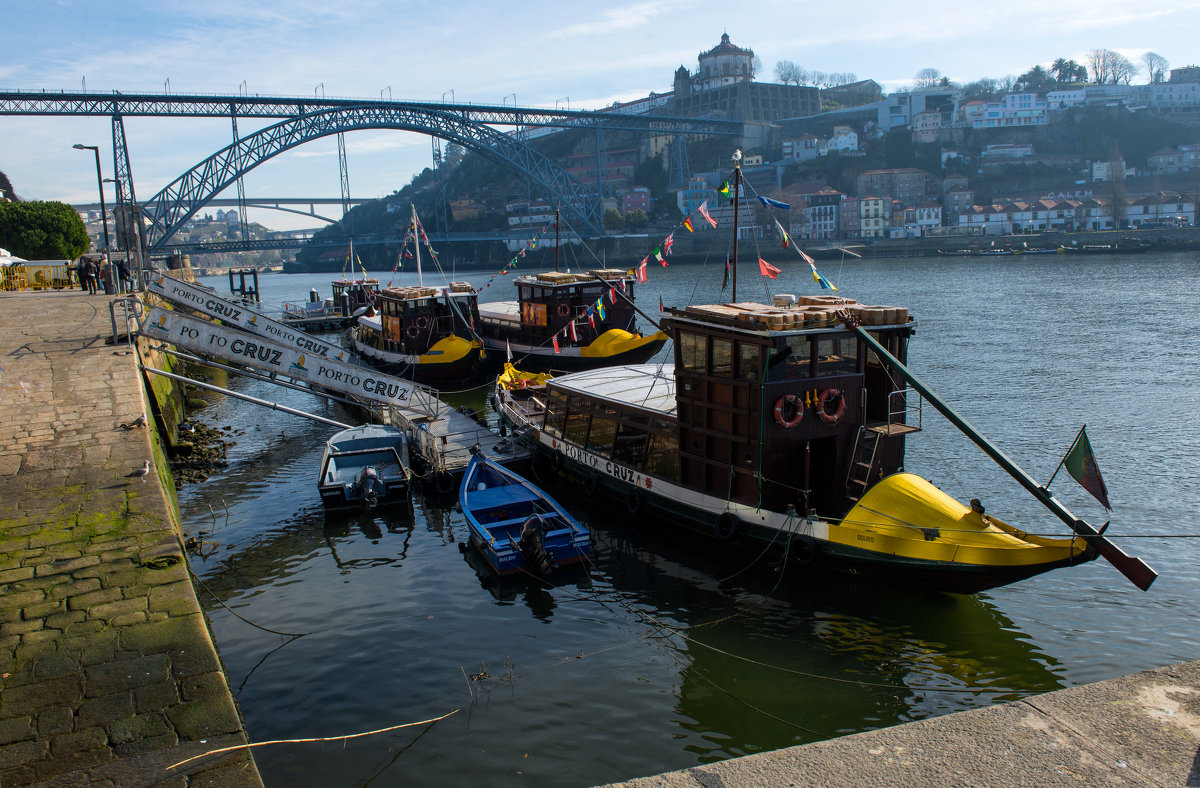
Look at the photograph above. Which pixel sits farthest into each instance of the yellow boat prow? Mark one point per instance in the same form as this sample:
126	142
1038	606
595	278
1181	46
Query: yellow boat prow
904	515
616	341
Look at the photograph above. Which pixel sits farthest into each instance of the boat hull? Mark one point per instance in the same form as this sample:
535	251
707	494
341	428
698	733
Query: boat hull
629	349
466	367
365	468
809	542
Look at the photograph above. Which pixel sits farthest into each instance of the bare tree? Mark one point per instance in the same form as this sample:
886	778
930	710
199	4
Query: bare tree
1098	62
787	72
756	67
1156	67
1123	69
926	78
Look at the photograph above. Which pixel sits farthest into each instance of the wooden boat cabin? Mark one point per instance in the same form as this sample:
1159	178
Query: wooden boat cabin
784	408
548	304
351	295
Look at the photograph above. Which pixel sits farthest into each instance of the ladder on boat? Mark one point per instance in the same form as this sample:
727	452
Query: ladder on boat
862	462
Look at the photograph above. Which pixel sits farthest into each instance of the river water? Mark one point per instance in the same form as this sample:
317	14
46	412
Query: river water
659	655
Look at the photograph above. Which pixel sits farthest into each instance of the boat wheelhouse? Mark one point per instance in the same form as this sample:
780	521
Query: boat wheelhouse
425	334
554	323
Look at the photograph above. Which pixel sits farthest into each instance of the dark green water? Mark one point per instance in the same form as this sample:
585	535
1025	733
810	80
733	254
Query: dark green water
660	656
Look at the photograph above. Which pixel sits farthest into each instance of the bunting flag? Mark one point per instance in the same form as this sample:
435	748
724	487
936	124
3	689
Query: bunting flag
787	239
591	318
641	270
574	335
612	295
767	269
767	201
600	308
661	308
725	281
1080	462
805	257
818	277
724	190
554	339
687	222
707	216
670	239
522	252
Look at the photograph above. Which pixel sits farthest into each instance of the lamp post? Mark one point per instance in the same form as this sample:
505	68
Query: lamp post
103	210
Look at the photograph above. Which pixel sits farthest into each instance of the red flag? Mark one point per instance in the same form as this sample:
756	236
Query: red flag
554	339
641	271
667	244
704	212
767	269
687	222
661	308
574	336
612	295
591	318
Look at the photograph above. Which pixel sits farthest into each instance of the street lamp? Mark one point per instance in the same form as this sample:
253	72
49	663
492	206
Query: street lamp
103	210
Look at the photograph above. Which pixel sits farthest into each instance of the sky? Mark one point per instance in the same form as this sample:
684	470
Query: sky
530	52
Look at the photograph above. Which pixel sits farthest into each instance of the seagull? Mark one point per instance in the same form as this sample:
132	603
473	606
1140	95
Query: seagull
140	421
187	426
142	472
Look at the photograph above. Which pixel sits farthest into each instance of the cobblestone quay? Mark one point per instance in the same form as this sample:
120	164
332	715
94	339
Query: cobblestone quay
108	673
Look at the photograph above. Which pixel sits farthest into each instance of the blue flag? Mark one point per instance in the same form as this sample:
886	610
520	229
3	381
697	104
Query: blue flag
767	201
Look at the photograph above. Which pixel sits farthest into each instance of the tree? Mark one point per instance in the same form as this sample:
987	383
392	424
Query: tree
1156	67
613	220
1123	69
1036	78
1110	67
1062	68
756	67
926	78
787	72
635	219
42	230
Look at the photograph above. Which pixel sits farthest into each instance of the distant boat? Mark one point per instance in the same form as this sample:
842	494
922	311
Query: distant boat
1036	250
351	298
364	467
516	526
1113	248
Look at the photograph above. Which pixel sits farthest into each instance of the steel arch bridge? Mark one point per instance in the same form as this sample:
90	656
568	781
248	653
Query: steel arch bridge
188	193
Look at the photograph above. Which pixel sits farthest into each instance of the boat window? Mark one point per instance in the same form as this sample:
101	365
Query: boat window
722	357
691	352
791	359
576	427
533	314
604	427
748	365
837	355
663	455
556	413
630	445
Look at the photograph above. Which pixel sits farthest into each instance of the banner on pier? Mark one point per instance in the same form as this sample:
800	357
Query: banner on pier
241	316
208	338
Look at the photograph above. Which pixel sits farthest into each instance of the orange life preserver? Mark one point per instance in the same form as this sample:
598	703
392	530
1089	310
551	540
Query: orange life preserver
797	409
411	331
563	310
834	398
422	321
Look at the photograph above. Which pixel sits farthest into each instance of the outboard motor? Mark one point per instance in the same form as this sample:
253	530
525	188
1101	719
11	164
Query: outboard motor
369	487
533	545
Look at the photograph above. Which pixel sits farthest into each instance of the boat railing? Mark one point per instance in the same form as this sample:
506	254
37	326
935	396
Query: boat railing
901	413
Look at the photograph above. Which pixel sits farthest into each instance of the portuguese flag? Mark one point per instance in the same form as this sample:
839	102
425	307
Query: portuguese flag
1080	462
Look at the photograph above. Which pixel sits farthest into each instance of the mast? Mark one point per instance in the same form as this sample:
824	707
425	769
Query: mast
556	240
737	180
416	228
1136	570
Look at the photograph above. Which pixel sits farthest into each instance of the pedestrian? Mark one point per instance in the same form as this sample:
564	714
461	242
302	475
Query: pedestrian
90	276
124	285
81	272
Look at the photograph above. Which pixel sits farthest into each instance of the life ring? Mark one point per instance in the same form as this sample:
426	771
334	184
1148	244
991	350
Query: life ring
563	310
590	482
634	501
804	549
422	322
797	411
831	406
411	331
726	526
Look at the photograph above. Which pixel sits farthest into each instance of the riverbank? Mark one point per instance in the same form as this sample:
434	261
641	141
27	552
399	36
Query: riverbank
107	669
1136	730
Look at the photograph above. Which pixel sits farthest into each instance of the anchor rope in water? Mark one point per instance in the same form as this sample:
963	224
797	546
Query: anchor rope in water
345	737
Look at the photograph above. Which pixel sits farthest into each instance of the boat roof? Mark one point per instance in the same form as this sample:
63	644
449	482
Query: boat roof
649	386
788	315
559	278
502	310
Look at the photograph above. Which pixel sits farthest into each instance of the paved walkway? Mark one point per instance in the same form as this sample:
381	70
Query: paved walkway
1136	731
108	674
